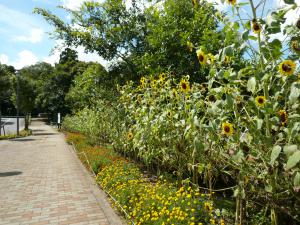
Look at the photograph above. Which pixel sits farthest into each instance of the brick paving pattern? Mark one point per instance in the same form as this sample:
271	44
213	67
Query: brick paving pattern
43	182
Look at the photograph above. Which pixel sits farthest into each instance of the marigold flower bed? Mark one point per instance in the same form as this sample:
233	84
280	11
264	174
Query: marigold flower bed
146	201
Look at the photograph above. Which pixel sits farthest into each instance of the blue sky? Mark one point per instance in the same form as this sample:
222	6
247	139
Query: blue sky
24	38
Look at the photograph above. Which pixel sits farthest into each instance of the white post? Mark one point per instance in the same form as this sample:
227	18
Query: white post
58	120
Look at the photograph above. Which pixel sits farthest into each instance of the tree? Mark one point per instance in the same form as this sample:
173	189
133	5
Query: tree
6	88
142	40
92	84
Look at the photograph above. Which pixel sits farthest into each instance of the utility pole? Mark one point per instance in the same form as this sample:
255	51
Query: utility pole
17	99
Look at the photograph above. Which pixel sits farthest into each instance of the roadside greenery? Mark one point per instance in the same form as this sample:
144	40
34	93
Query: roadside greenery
23	133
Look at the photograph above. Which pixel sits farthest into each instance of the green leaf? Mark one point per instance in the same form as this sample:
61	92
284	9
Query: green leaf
297	181
245	35
251	84
275	153
290	149
289	2
293	160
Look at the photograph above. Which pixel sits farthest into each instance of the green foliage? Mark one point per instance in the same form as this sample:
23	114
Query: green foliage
6	88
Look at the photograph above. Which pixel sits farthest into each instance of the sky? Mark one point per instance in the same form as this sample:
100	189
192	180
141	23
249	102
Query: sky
25	39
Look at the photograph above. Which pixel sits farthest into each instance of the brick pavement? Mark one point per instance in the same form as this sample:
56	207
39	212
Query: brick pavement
43	182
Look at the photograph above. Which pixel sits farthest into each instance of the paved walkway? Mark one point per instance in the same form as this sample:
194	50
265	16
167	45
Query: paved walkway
43	182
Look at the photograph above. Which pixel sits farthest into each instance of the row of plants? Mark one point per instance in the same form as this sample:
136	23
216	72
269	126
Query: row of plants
23	133
144	198
238	131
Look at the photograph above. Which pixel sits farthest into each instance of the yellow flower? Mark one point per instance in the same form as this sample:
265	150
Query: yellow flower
232	2
227	59
295	46
227	129
260	101
184	86
256	27
287	67
210	59
190	46
283	117
129	136
195	2
201	56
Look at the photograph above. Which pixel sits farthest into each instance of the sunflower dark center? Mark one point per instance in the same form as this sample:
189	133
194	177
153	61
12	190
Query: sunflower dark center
298	24
286	68
256	27
283	117
260	100
227	129
212	98
183	86
201	58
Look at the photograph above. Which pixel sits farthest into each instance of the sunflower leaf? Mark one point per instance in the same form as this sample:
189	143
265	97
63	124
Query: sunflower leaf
293	160
275	153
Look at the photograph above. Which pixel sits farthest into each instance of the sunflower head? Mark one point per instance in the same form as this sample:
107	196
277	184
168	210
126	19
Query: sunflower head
184	86
129	135
201	57
295	46
231	2
287	67
256	27
227	129
174	94
260	101
169	114
153	84
195	2
283	117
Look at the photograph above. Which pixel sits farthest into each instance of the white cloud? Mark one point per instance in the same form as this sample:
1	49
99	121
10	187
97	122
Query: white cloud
35	36
25	58
3	59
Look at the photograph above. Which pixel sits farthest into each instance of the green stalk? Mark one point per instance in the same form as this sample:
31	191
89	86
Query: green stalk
266	85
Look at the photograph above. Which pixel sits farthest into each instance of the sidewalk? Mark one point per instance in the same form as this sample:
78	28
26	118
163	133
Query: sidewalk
43	182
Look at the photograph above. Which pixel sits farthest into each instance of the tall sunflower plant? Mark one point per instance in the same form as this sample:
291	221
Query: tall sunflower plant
258	108
238	129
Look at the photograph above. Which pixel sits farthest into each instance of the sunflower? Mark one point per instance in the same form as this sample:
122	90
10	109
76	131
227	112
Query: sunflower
287	67
256	27
129	135
260	101
232	2
227	129
169	114
283	117
174	93
153	84
210	59
184	86
201	56
295	46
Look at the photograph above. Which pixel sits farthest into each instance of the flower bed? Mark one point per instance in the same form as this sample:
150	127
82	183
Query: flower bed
146	200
